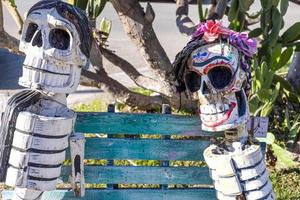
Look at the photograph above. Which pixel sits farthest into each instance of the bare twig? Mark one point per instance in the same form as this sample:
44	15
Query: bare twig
13	11
138	25
185	25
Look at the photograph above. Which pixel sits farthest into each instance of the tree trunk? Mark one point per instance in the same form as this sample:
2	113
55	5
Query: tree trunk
138	25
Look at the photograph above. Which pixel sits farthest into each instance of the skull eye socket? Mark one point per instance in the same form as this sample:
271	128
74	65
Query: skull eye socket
192	81
220	77
32	28
59	39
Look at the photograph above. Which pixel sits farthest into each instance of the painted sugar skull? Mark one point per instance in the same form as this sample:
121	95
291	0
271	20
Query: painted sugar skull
217	72
56	40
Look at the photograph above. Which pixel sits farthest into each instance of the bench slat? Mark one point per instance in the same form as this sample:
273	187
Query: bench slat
143	175
145	149
118	123
129	194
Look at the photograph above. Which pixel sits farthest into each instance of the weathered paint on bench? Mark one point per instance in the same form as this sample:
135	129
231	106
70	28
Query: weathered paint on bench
128	123
144	149
132	194
145	175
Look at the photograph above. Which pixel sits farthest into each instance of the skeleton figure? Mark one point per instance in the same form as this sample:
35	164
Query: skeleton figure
36	125
214	68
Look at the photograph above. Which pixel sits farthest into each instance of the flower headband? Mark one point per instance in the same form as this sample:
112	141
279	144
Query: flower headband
212	30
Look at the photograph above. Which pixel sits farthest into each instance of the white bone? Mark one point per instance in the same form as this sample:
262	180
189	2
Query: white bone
21	159
26	142
260	193
55	126
24	193
20	178
249	157
229	186
256	183
77	142
244	174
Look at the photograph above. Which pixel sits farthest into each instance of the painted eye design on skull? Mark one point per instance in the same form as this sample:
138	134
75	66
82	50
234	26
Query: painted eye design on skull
59	39
32	28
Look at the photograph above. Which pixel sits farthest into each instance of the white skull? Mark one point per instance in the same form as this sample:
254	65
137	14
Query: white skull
53	55
217	79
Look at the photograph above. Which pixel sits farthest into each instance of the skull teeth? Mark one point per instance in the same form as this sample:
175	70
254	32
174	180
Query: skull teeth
44	78
213	109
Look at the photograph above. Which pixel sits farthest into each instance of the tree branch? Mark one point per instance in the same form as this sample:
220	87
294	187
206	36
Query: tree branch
1	18
217	9
6	40
185	25
123	94
12	9
138	25
139	79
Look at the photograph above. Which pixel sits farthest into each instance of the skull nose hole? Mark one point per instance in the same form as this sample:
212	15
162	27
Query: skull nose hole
37	40
205	88
220	77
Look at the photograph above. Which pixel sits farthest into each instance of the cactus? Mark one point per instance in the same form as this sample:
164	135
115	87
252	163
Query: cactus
95	7
82	4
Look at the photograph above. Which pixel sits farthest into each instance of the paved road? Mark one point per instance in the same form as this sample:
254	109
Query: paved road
164	26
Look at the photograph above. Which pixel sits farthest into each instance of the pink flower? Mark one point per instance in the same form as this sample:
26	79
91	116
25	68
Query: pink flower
212	29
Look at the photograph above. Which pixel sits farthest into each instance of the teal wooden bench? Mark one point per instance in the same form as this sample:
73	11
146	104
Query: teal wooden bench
165	146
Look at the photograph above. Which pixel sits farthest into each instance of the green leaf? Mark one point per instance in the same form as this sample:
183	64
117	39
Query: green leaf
284	83
255	33
244	5
264	95
285	57
105	27
284	4
266	109
276	22
82	4
292	33
284	158
275	3
233	11
270	139
275	93
13	3
266	4
276	56
95	7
